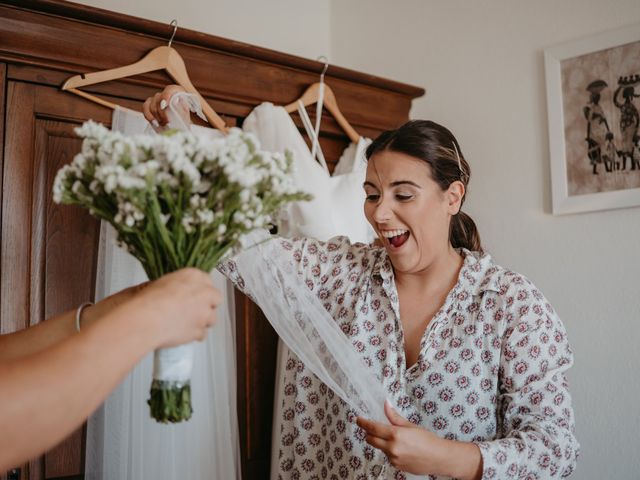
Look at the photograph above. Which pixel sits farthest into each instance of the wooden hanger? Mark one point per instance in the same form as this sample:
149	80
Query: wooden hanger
311	96
160	58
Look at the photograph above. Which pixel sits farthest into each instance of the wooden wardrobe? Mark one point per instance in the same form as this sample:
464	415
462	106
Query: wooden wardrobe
48	252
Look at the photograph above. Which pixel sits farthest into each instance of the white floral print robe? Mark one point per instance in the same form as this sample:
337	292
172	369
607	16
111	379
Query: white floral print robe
490	369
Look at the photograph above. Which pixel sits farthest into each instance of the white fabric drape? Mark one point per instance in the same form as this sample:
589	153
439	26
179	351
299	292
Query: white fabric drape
335	210
123	441
298	316
270	278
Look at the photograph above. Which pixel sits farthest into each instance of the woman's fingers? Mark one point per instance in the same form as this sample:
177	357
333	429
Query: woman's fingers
146	110
378	443
150	110
155	107
376	429
394	417
158	113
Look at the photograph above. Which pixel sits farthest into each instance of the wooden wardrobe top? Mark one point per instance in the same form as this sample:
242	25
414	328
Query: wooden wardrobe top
45	41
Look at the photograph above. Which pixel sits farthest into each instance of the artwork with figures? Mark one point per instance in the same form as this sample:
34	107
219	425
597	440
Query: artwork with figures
601	92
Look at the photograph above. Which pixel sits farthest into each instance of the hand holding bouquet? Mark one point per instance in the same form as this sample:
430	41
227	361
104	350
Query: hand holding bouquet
176	200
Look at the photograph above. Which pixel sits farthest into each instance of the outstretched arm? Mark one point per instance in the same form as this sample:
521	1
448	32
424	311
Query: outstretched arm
56	329
49	393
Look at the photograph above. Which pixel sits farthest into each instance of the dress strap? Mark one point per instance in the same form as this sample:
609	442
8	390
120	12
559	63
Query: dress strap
191	102
314	133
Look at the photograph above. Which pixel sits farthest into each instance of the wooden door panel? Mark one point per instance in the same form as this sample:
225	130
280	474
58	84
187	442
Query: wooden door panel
16	208
3	89
256	355
48	250
66	239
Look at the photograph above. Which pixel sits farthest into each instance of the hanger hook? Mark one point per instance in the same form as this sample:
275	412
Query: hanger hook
174	24
324	59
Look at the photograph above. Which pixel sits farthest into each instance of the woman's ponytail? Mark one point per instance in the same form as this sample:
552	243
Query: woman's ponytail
463	233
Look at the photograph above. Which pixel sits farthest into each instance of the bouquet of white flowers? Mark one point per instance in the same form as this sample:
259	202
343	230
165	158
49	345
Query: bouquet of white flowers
176	200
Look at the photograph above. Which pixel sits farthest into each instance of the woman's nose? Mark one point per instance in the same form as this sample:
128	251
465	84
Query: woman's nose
382	213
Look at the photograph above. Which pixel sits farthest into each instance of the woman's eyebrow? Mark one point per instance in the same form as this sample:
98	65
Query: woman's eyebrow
393	184
405	182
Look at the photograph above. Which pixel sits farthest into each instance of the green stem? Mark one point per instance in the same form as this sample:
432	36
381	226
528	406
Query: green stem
162	230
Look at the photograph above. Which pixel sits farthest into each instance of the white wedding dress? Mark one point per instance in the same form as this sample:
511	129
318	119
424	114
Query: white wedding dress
336	209
123	441
337	206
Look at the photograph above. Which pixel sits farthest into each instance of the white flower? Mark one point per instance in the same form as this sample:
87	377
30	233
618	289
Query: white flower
219	187
205	216
128	214
77	187
238	217
196	201
187	223
131	182
91	129
202	187
59	183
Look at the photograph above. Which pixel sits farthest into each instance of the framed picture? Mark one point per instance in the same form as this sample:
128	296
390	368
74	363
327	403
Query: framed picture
593	100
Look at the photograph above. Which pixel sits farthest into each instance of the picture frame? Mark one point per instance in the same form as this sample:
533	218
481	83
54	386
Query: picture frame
593	99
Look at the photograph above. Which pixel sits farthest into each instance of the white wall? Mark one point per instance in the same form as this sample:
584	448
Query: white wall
482	66
299	27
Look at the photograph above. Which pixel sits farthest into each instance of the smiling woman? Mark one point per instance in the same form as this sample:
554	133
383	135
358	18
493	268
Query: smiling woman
470	355
404	152
416	184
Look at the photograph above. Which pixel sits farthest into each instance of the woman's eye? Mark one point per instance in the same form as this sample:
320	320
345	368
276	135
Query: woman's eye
403	198
373	197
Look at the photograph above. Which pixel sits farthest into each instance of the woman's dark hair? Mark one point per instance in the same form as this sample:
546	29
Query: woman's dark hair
437	147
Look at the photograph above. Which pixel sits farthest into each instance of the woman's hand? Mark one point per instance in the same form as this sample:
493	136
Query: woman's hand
155	108
413	449
179	307
408	447
106	305
175	309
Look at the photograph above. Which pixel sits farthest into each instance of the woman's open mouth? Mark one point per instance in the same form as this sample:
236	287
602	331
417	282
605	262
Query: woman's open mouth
396	238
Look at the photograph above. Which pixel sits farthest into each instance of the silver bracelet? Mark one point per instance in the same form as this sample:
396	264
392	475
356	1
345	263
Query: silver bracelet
79	313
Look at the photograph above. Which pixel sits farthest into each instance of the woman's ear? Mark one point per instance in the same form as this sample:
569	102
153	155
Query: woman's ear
455	194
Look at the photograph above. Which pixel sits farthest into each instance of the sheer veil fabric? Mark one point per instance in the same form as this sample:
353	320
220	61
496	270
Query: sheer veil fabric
335	210
123	442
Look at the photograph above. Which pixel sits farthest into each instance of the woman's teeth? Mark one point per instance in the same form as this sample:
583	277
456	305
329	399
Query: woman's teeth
393	233
396	237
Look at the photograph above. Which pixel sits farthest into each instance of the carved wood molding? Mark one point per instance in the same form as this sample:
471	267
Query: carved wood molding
162	32
68	38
